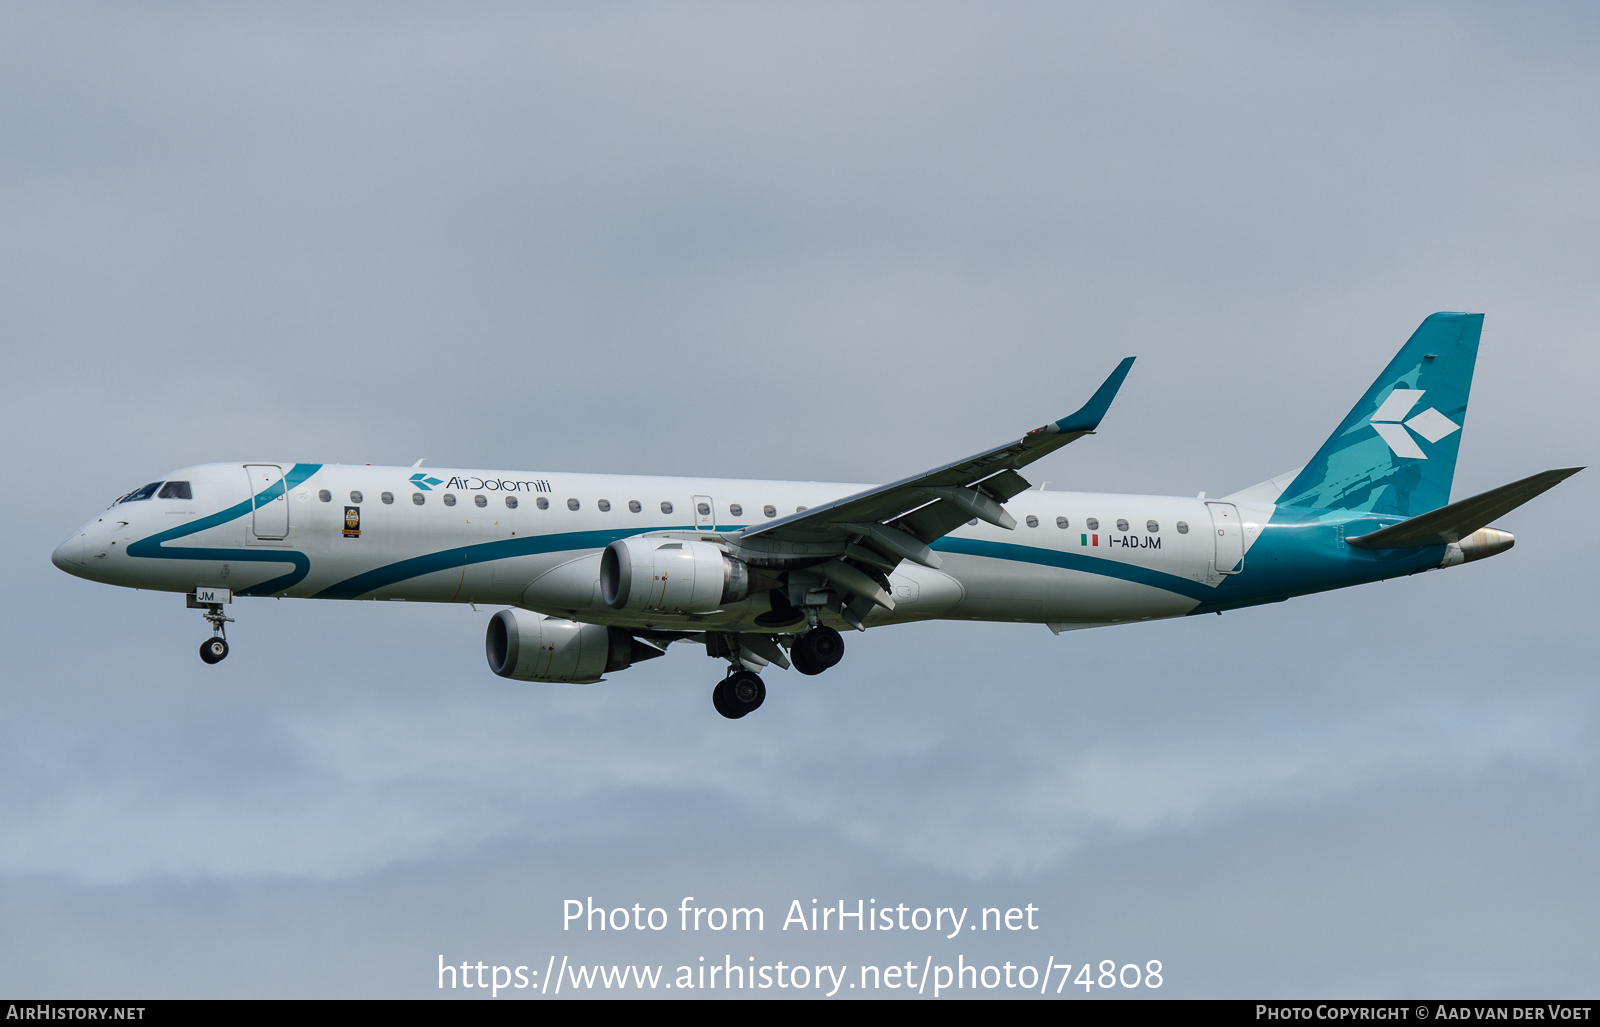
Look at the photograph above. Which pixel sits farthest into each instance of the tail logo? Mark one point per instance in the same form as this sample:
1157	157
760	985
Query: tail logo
1430	424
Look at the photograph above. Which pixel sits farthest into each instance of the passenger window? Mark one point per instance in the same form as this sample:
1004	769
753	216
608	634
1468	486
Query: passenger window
388	498
138	494
355	497
1152	527
175	490
1033	522
542	503
325	496
972	523
449	499
1061	522
511	502
666	507
480	501
704	508
1122	524
1183	527
604	505
736	510
1093	524
417	499
800	509
770	510
633	506
572	504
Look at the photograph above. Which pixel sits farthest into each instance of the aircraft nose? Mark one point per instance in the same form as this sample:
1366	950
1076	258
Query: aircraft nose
69	554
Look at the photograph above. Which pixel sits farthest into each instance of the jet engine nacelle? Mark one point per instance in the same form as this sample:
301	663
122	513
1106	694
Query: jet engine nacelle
527	646
667	575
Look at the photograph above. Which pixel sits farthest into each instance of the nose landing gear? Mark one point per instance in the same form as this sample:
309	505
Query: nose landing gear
215	648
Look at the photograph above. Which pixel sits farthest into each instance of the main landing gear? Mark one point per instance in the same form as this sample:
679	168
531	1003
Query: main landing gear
739	693
817	650
742	691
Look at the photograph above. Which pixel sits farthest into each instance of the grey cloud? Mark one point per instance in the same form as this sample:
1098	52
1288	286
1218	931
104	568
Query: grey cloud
815	243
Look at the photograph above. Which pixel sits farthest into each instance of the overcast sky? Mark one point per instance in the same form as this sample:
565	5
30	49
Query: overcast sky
817	242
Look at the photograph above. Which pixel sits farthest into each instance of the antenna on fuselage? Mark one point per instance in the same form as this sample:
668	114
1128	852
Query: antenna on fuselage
419	462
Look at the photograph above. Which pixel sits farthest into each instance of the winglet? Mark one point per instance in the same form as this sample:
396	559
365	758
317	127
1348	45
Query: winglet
1088	417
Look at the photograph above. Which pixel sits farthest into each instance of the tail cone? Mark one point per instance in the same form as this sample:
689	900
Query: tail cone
1481	543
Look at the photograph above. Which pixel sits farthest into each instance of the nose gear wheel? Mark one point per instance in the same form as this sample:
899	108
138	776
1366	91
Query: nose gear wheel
215	648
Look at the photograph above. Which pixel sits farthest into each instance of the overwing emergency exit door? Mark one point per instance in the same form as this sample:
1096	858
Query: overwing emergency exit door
705	518
1229	536
270	516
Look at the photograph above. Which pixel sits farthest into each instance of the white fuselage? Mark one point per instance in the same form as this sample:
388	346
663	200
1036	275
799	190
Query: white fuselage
534	540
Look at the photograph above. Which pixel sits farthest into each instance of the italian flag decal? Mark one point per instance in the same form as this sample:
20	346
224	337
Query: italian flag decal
1089	540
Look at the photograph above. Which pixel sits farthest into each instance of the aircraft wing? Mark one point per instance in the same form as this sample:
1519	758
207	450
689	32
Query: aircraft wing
898	520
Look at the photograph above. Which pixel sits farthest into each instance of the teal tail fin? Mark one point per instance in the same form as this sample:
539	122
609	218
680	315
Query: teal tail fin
1395	453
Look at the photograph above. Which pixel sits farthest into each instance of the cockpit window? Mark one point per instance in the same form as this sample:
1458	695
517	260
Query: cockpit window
138	494
175	490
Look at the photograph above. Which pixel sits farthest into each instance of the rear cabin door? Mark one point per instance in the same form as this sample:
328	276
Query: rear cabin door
270	518
705	518
1229	535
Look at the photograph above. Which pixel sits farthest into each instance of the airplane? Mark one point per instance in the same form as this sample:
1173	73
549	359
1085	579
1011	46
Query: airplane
598	572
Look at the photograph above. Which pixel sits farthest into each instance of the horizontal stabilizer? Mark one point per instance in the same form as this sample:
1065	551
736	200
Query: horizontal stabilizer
1454	522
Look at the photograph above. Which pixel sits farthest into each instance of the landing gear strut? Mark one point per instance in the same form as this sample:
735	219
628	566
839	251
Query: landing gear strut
817	650
739	693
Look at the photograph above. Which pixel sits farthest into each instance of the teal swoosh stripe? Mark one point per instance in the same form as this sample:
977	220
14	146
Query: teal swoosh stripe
1075	562
154	546
482	552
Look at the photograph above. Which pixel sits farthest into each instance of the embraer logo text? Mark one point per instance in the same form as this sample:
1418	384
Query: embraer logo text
1430	424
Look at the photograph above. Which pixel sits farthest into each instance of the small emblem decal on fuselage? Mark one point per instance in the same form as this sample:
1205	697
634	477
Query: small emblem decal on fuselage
352	522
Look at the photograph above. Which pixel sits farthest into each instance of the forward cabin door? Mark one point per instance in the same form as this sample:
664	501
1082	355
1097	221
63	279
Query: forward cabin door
270	518
1229	535
705	517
